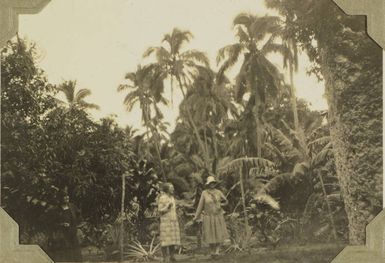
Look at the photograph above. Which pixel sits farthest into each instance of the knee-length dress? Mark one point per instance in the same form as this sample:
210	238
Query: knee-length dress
214	228
169	225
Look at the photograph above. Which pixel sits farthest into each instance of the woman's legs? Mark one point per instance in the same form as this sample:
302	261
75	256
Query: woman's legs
172	253
217	247
165	254
214	249
168	253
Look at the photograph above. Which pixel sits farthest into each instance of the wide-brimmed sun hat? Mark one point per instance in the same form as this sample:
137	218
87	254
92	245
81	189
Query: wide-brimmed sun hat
210	179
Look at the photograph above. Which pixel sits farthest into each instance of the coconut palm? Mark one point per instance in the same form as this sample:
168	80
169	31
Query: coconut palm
181	66
257	75
290	61
75	99
146	86
211	103
178	65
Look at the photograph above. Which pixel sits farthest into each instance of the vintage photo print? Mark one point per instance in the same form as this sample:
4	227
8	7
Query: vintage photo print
191	131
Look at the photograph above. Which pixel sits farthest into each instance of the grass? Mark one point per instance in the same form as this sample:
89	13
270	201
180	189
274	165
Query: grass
315	253
319	253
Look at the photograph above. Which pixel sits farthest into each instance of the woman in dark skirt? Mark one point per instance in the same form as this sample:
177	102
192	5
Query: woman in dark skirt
66	243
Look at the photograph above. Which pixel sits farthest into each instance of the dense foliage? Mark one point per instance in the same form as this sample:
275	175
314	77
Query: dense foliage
283	167
48	147
351	65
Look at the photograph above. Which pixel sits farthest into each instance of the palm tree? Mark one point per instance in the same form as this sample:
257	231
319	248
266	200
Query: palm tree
257	74
211	103
290	61
76	99
146	87
180	66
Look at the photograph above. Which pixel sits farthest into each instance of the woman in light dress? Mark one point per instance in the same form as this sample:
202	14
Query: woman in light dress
213	222
169	225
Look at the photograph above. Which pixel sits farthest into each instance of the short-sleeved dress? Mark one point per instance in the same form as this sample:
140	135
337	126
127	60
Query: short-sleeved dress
169	225
213	222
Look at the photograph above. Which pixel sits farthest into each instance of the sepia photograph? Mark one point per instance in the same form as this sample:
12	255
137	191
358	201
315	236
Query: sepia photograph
191	131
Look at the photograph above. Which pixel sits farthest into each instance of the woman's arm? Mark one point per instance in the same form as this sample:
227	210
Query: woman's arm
163	205
224	200
200	206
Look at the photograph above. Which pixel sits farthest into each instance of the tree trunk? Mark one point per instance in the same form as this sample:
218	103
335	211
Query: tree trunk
164	177
243	199
121	241
195	129
330	213
157	143
355	117
293	97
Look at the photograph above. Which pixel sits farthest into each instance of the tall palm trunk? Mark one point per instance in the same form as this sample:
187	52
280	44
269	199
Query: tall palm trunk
215	142
293	97
164	177
258	123
195	129
256	111
155	132
121	241
243	199
205	137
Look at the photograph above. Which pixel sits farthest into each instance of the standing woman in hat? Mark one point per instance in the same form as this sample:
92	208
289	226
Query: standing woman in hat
169	225
213	221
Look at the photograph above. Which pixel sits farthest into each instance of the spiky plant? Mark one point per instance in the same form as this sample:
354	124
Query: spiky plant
138	252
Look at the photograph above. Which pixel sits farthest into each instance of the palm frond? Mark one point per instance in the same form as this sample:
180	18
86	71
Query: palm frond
81	94
162	55
241	86
236	164
274	151
275	48
276	183
283	140
149	51
321	156
86	105
264	25
176	39
131	98
68	88
244	19
232	53
320	141
267	199
196	56
242	35
123	87
131	76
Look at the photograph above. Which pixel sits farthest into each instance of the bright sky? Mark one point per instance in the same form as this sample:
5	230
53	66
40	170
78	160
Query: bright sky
97	41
